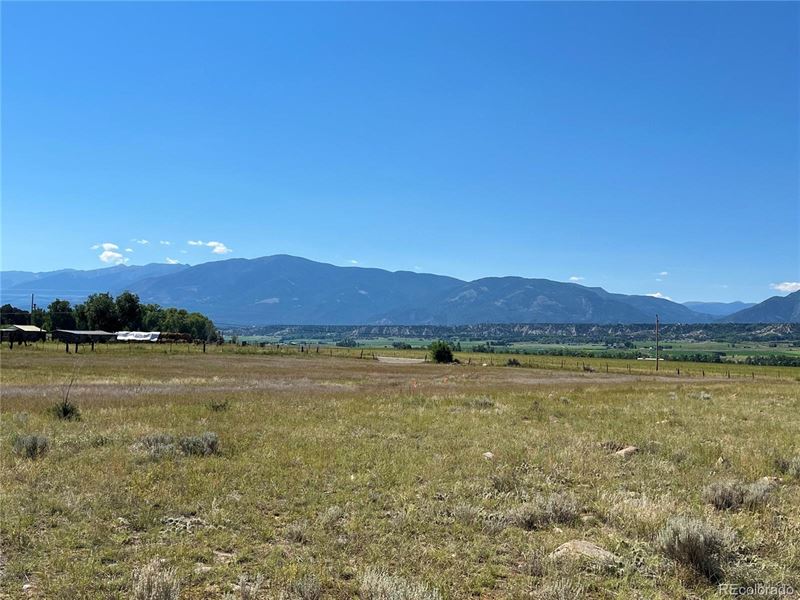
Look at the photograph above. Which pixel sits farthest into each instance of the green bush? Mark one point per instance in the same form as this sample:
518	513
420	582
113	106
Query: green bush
66	410
441	352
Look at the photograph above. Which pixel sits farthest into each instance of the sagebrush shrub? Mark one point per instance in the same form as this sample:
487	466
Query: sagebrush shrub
535	563
695	543
331	516
31	446
66	410
161	445
297	532
788	466
560	589
305	588
733	495
377	584
157	445
562	508
154	582
204	444
482	403
555	509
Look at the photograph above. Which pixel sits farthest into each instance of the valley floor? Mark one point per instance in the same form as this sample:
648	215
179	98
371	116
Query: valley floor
333	477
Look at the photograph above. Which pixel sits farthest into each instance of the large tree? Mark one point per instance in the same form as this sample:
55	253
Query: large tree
11	315
60	315
101	312
129	311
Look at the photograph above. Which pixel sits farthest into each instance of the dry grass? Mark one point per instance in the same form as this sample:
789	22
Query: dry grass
326	469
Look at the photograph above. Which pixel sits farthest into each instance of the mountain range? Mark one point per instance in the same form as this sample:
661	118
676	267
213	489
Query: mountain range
284	289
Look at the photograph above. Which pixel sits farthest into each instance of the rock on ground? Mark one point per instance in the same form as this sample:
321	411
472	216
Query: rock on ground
581	549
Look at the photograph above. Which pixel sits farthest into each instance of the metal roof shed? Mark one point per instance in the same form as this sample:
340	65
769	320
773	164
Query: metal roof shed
22	334
77	336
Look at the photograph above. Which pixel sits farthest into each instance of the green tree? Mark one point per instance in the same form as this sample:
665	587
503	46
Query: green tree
101	312
11	315
38	317
60	315
151	317
441	352
129	311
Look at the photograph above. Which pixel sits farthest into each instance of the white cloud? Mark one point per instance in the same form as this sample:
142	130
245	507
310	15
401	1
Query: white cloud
353	261
128	249
184	251
165	243
659	295
140	241
115	258
664	273
218	248
786	286
576	278
105	246
109	254
172	261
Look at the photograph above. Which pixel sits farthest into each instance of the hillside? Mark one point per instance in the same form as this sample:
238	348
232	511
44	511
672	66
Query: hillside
284	289
778	309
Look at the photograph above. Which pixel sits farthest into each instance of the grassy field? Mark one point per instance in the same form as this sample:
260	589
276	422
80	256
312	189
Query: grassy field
335	477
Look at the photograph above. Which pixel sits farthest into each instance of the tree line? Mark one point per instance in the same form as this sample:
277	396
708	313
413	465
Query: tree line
104	312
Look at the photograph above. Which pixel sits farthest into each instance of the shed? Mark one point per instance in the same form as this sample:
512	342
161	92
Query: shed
76	336
22	333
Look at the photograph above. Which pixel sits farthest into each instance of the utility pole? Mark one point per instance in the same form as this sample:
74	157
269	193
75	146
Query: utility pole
32	306
656	342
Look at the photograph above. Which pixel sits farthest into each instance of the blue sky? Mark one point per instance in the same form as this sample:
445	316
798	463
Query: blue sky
646	148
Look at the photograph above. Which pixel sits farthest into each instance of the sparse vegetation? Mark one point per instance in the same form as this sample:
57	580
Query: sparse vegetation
377	584
788	466
463	480
247	589
307	587
155	582
219	405
31	446
555	509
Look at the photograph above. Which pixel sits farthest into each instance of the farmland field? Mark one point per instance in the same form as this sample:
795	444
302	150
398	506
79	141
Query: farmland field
329	471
